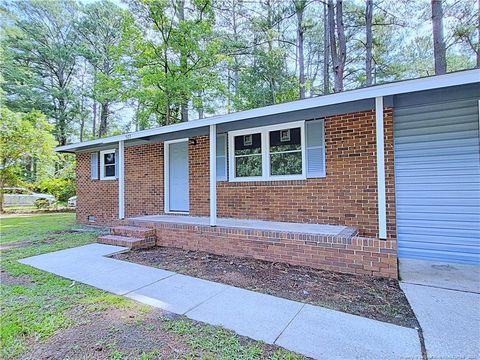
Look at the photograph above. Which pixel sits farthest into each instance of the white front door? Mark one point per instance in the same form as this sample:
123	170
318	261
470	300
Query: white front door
178	178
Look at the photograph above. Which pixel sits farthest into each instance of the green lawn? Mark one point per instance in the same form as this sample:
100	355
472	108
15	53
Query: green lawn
33	227
41	314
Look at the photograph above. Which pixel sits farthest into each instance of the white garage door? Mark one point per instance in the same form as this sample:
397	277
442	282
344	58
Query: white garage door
437	172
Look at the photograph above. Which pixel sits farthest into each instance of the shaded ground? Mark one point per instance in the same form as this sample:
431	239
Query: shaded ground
44	316
375	298
137	333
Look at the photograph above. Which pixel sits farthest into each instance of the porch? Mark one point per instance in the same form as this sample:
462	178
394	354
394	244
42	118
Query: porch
321	230
330	247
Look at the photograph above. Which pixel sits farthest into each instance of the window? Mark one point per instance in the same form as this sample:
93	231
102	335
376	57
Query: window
274	152
248	155
286	152
108	164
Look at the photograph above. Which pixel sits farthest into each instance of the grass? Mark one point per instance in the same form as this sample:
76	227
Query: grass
34	227
36	305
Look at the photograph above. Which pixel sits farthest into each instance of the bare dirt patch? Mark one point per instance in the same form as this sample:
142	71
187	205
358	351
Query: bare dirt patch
375	298
128	334
7	279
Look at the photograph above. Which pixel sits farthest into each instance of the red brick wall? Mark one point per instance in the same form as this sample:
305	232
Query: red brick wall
95	197
346	196
144	180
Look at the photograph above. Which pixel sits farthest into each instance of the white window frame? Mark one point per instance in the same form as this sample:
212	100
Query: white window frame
102	164
265	152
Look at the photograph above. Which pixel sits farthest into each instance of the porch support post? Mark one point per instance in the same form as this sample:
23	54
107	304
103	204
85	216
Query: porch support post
381	194
121	179
213	175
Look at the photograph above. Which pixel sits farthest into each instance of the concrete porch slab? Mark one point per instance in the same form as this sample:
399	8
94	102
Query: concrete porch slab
177	293
439	274
450	320
319	229
320	333
248	313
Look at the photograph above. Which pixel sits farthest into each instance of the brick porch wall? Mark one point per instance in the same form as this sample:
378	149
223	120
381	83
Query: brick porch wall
355	255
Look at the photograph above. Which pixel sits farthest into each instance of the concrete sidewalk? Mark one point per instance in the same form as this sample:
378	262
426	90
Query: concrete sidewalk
310	330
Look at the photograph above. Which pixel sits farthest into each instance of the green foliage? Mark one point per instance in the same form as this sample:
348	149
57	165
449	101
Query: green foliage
23	137
61	188
41	204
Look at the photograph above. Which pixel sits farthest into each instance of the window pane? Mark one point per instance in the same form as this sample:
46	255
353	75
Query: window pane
248	144
286	163
109	159
285	140
246	166
109	170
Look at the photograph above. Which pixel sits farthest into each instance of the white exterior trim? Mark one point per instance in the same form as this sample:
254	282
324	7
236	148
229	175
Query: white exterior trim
264	131
102	164
400	87
166	175
121	179
213	175
381	192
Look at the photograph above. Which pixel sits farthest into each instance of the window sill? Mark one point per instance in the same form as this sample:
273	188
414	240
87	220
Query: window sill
109	178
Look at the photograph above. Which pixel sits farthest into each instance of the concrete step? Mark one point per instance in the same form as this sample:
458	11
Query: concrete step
133	231
127	241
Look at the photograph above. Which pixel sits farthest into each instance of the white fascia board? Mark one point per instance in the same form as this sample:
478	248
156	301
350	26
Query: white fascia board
400	87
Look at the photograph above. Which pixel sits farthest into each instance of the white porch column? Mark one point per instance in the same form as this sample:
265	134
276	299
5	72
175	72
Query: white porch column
381	194
213	175
121	179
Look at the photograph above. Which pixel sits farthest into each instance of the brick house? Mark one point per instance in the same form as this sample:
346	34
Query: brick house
348	182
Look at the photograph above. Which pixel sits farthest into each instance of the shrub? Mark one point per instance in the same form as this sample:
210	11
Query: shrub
41	203
62	189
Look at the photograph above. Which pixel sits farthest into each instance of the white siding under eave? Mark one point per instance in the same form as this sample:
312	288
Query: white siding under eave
437	174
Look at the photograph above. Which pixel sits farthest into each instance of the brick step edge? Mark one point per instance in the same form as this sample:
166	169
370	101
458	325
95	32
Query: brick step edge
130	242
133	231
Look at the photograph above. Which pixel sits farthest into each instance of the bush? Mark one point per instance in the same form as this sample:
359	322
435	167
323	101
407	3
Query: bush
62	189
42	203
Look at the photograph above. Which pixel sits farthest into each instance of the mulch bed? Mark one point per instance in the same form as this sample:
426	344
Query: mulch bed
375	298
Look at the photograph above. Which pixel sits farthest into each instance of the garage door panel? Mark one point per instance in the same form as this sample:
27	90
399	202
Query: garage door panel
439	147
436	216
437	187
437	179
457	135
432	202
454	178
463	116
443	233
430	162
435	255
468	126
414	210
423	246
430	223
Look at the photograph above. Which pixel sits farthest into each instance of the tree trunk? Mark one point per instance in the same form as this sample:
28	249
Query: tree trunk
439	50
2	185
335	21
103	119
478	35
94	119
183	64
369	41
326	51
62	122
299	8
